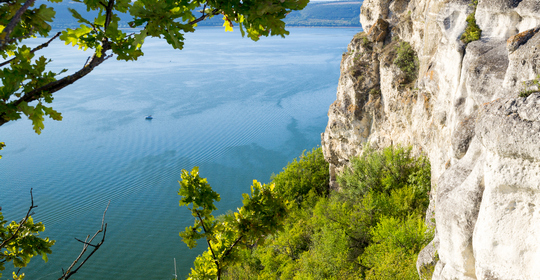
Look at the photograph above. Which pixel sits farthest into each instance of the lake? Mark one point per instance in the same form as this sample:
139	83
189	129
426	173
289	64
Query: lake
240	110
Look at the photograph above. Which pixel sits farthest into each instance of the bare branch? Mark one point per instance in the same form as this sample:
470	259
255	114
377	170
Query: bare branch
42	46
23	221
85	243
13	22
68	273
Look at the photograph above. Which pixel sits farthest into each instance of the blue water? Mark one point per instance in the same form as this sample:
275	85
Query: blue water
238	109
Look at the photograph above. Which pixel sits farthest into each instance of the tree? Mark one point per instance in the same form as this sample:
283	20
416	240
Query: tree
27	87
261	215
20	242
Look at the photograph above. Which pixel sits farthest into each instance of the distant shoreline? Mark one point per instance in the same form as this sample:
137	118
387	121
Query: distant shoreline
292	26
55	29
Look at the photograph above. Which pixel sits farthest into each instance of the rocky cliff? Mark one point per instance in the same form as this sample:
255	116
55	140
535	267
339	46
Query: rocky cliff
473	107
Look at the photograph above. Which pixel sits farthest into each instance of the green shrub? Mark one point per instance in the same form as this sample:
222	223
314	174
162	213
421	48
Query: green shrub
328	257
315	243
407	60
472	31
299	177
373	229
394	248
382	171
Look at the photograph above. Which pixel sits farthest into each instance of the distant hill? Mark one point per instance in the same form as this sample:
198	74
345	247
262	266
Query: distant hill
335	13
316	13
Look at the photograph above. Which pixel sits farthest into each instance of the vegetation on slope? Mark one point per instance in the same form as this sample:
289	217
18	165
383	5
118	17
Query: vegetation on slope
372	229
407	60
472	31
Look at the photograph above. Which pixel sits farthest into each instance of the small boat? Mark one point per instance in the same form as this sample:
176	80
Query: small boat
149	117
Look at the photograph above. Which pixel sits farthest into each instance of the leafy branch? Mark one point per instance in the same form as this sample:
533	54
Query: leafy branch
42	46
22	223
19	242
12	23
262	214
25	82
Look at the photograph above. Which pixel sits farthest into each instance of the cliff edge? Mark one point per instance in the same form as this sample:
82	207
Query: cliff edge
472	105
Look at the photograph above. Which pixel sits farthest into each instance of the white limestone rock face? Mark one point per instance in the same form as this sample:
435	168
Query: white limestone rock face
523	65
504	18
372	10
356	107
459	194
465	112
507	233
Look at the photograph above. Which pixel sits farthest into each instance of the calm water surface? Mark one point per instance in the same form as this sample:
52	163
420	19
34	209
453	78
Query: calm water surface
240	110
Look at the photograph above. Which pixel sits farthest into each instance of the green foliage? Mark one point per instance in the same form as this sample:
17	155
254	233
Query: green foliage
394	248
407	60
310	246
375	92
373	229
262	214
365	42
308	173
25	75
384	171
2	145
525	93
26	85
20	242
472	31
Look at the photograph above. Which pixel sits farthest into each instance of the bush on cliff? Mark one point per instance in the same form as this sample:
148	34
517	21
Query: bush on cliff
299	177
407	60
372	229
472	31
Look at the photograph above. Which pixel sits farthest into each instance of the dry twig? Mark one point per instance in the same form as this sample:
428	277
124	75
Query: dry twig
87	242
